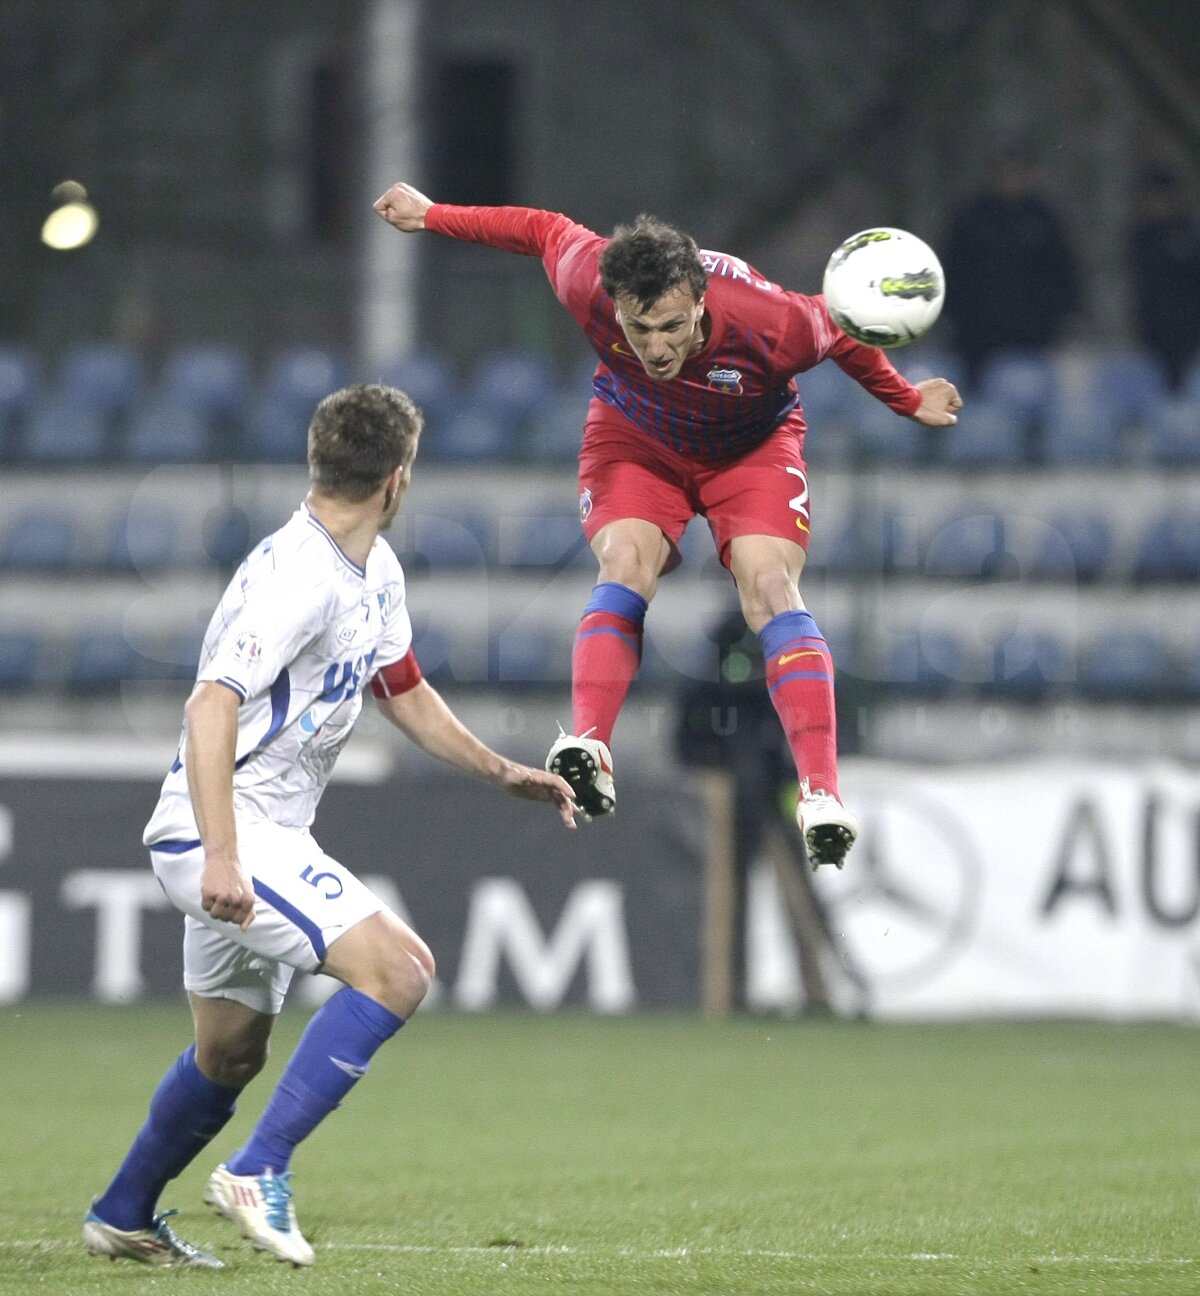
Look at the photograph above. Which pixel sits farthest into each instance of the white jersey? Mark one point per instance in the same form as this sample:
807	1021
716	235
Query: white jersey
297	634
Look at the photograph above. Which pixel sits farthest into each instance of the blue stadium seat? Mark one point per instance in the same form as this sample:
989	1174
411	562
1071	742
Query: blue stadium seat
1021	384
970	546
299	378
428	378
880	543
20	383
1075	546
528	656
147	539
1130	385
1169	549
61	431
879	434
551	539
1081	433
41	540
1127	666
557	428
432	650
21	652
917	364
925	663
101	661
1189	674
1028	665
228	535
277	431
167	431
825	393
214	381
1174	434
473	433
462	539
986	436
104	377
517	384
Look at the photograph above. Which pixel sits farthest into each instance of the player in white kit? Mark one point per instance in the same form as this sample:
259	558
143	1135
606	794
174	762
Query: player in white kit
315	614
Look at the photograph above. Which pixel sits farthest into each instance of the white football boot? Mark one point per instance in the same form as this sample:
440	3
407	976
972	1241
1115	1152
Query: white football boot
261	1206
586	764
829	829
157	1245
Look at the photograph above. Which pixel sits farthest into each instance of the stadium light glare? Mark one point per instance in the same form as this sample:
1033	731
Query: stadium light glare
70	226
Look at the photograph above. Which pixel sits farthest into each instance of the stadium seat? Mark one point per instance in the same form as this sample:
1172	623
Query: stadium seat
516	384
1081	433
917	363
878	434
41	540
1129	384
1169	549
986	436
145	540
557	428
20	383
104	377
1130	665
471	433
432	650
1174	434
825	393
61	431
1021	385
277	431
21	652
461	539
167	431
1027	665
228	535
214	381
101	661
428	378
528	656
875	544
1189	674
925	663
551	539
1074	546
970	546
299	378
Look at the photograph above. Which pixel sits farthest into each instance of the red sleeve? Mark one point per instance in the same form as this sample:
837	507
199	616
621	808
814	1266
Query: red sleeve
569	251
812	337
397	678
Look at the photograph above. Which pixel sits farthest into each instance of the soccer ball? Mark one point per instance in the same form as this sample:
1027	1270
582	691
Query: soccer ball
884	287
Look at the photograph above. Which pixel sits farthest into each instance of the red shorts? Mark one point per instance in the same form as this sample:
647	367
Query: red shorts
623	473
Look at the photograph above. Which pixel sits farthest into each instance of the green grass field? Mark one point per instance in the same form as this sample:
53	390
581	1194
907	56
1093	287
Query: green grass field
522	1154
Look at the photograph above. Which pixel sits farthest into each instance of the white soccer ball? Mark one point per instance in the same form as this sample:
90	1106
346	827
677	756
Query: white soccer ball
884	287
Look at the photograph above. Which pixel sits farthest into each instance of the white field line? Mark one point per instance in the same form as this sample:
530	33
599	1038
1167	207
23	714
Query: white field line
682	1253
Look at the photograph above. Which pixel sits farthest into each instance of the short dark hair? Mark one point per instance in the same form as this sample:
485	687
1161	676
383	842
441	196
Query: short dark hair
359	435
649	258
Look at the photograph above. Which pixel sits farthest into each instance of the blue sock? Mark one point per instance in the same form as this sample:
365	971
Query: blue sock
611	596
331	1057
187	1111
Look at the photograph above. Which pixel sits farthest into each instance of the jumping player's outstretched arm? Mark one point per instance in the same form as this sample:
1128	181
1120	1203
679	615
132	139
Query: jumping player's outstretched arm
421	714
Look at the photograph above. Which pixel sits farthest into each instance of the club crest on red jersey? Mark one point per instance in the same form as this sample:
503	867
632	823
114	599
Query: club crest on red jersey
726	380
585	505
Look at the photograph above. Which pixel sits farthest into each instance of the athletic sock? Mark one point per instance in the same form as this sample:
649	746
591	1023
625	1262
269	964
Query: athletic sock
186	1112
800	682
332	1056
608	651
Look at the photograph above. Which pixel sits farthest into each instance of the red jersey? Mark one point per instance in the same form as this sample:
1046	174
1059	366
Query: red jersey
739	387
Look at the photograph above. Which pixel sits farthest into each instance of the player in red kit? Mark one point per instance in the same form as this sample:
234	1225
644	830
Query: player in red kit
695	411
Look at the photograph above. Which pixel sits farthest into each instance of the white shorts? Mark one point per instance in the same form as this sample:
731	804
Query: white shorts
305	901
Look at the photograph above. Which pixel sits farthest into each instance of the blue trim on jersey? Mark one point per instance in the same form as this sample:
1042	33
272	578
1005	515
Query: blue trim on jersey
232	685
780	630
620	600
315	937
337	548
175	847
281	696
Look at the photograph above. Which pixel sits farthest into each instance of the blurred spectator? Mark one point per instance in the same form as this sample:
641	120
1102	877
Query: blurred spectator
1164	261
1011	276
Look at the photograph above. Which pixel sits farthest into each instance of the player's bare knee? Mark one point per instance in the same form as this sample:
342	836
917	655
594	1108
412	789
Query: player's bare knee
765	593
232	1063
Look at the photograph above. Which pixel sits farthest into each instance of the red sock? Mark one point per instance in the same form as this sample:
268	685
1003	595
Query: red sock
608	651
800	682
